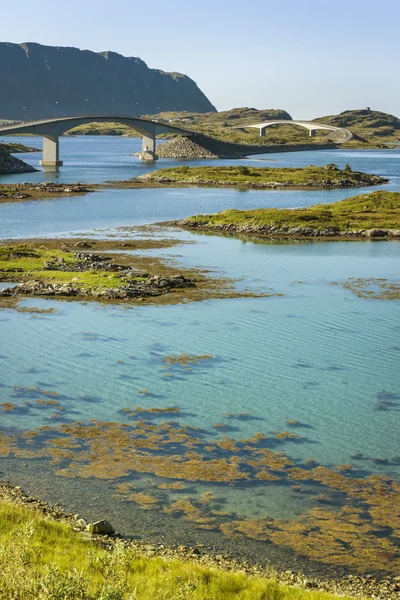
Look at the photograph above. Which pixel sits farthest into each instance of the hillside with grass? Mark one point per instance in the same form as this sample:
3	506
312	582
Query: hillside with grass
371	126
41	559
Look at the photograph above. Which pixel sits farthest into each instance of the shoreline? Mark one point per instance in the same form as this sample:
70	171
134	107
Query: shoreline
25	192
357	586
281	235
82	269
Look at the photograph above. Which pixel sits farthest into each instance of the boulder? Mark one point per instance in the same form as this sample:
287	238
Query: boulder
375	233
100	528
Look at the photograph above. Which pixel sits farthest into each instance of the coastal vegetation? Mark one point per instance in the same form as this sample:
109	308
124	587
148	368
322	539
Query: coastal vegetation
376	212
41	559
372	127
59	268
349	524
329	176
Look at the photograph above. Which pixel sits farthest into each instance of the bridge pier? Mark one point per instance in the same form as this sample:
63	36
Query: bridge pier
262	131
51	152
148	148
313	132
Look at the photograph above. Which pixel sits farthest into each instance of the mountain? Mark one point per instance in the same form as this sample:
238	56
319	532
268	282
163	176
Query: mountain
45	81
366	123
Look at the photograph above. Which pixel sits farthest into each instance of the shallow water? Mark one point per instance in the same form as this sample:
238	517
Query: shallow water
318	354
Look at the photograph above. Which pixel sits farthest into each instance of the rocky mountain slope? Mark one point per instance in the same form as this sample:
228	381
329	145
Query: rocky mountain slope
44	81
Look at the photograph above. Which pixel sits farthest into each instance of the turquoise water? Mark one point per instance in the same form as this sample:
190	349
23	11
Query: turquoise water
319	354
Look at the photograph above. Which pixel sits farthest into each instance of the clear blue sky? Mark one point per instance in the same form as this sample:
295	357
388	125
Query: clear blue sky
310	57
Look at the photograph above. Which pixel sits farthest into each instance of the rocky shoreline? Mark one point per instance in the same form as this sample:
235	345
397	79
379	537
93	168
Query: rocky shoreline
262	185
9	164
356	586
136	285
271	231
29	191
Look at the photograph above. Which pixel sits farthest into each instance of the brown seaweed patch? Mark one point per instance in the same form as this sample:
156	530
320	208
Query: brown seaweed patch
139	410
145	501
36	311
362	531
8	406
193	513
176	485
185	359
373	288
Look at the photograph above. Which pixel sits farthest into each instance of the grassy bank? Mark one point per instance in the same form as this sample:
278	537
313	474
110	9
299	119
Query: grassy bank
242	176
368	211
41	560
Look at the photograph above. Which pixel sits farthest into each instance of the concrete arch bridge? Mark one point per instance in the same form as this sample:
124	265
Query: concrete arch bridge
344	135
51	129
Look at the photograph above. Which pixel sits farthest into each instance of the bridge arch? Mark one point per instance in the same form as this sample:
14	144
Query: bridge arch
312	126
51	129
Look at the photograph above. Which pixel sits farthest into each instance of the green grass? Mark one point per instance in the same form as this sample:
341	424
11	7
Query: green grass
17	148
372	126
32	262
375	210
310	176
43	560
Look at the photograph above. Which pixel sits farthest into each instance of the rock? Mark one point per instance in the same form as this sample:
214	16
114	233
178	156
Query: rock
100	528
10	164
83	245
374	233
81	523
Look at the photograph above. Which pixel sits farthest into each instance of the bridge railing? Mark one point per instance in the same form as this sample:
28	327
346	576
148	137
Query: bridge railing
21	124
24	124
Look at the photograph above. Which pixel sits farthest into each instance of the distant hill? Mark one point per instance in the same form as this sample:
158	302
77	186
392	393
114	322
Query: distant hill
44	81
215	124
369	125
232	117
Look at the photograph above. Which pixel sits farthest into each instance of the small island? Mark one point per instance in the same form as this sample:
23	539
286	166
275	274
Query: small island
17	192
84	269
311	177
374	215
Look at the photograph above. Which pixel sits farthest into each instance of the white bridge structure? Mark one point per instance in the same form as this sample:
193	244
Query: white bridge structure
344	135
51	129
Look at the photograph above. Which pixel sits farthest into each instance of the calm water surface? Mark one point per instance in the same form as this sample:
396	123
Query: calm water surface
318	354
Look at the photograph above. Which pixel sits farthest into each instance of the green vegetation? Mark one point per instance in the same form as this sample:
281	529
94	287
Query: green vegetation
104	129
311	176
56	268
16	148
376	210
43	560
26	261
371	126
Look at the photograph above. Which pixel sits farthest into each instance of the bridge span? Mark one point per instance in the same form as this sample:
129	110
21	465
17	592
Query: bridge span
344	134
51	129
